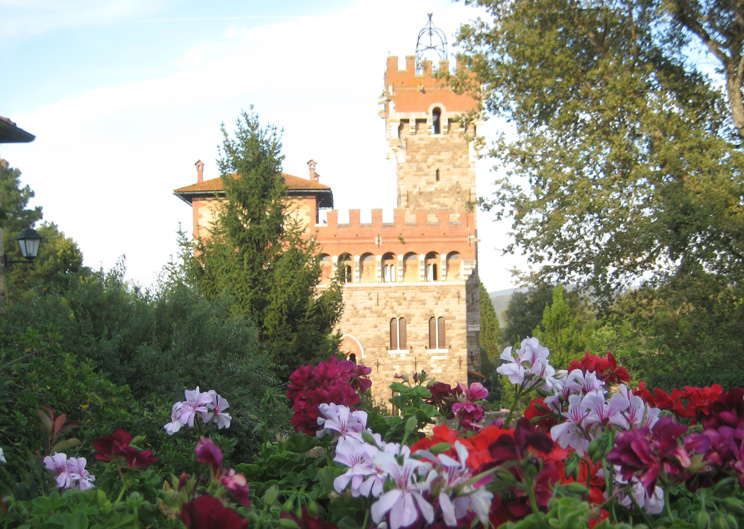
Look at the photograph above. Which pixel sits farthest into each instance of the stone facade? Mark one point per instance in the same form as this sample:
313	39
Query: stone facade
411	298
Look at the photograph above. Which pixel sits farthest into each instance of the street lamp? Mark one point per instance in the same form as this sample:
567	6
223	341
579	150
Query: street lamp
28	242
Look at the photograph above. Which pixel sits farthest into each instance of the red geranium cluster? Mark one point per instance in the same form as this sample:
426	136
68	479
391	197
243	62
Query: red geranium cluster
116	445
336	381
516	452
207	512
606	368
692	403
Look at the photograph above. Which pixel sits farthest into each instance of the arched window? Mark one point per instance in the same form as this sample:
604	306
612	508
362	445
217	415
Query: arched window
432	266
436	333
411	268
345	263
389	271
325	268
453	266
437	175
436	120
397	334
367	268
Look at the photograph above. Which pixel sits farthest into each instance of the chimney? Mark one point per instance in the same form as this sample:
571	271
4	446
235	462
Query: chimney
315	177
199	171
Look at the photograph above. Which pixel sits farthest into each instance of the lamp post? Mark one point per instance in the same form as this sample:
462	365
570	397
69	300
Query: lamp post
28	242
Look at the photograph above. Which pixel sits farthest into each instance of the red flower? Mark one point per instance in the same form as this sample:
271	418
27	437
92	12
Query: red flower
117	445
606	369
137	459
207	512
113	445
307	521
336	381
539	415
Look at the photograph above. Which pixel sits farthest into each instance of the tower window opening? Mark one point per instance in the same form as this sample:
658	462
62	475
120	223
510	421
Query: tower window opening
436	333
436	120
397	334
431	266
437	175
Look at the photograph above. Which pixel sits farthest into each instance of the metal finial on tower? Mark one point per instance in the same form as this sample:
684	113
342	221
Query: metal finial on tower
430	39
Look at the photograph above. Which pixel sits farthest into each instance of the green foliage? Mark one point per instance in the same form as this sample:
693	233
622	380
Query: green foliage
90	509
630	162
257	254
524	313
490	346
560	332
14	214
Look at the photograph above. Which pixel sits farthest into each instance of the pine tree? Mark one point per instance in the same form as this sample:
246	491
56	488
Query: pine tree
258	253
560	332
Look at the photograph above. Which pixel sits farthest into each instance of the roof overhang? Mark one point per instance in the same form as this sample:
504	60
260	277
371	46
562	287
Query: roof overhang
11	133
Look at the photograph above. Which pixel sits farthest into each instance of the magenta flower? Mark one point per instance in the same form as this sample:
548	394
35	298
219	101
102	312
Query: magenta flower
645	454
210	453
207	512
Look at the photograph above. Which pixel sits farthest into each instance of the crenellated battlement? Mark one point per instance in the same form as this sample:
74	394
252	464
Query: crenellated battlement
413	91
403	220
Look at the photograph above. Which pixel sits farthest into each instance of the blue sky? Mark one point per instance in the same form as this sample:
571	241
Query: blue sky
125	96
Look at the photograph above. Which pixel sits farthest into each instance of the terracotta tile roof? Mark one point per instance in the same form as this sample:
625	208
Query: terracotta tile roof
214	185
12	133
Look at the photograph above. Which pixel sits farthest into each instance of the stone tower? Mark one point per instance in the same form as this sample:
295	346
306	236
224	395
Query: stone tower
428	138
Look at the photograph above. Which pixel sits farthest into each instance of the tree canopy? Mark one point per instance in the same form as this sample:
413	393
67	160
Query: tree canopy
623	163
257	252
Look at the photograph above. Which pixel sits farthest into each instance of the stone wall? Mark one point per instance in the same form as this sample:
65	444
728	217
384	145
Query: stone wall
366	327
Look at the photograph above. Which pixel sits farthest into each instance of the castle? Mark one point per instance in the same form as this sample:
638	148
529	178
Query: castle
411	298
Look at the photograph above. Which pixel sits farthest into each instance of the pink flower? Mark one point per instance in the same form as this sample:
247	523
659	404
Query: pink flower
404	501
237	485
58	464
215	411
196	402
341	419
175	425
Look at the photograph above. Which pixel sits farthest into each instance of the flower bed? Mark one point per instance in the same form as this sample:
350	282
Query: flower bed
587	451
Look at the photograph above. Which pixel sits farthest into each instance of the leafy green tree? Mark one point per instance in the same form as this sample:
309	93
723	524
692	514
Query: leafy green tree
258	253
524	313
560	332
627	149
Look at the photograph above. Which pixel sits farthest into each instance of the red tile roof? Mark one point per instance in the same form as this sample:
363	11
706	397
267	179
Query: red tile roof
214	185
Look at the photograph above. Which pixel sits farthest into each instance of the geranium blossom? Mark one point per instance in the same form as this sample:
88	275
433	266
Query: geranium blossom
216	411
405	501
207	512
572	433
529	366
341	419
69	473
196	402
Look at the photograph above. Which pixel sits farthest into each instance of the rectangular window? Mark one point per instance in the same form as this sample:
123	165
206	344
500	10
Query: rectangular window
436	333
398	334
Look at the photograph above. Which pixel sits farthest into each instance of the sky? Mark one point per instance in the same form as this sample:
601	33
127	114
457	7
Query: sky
124	96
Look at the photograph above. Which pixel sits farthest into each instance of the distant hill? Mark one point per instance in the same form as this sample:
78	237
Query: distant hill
500	300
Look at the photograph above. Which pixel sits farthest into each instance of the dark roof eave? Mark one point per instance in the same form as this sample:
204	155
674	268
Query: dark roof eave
10	133
189	196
